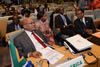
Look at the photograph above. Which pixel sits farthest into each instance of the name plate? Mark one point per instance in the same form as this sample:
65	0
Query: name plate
76	62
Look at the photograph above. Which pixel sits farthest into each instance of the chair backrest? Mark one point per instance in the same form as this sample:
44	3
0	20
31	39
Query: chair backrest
10	21
92	16
12	35
70	14
48	15
16	61
96	23
89	12
54	19
3	27
35	19
5	17
97	13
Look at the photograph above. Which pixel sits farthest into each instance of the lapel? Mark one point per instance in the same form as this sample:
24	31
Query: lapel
38	33
86	21
27	41
61	19
82	25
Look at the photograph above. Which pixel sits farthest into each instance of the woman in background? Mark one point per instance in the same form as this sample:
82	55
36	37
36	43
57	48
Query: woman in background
43	26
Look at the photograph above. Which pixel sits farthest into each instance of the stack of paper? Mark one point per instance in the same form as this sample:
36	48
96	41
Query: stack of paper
79	42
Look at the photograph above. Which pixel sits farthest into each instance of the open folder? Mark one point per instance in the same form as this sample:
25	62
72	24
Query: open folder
79	43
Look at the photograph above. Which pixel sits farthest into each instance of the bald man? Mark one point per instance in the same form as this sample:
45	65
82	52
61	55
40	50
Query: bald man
26	43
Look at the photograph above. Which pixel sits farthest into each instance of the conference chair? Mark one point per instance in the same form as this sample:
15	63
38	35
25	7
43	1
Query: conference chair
96	23
48	15
10	36
70	14
97	14
16	61
3	25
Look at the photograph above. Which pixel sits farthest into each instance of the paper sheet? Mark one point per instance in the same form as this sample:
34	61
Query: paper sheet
51	55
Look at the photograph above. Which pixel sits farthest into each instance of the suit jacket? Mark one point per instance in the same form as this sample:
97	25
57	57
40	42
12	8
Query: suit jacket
24	44
11	27
59	23
80	27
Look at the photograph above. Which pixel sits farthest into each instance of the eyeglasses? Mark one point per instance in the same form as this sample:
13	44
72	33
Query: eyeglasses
30	23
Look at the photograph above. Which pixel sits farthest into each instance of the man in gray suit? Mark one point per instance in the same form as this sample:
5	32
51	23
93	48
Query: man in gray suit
26	43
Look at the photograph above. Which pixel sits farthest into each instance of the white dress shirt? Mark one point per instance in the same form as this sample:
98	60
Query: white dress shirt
64	19
83	20
37	45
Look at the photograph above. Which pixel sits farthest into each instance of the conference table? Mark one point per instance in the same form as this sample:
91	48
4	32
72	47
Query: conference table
95	50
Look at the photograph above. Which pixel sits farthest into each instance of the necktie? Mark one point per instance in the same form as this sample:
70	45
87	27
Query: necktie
17	27
83	25
39	40
64	19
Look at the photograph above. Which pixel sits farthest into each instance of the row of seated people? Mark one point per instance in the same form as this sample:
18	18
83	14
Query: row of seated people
64	24
28	43
10	10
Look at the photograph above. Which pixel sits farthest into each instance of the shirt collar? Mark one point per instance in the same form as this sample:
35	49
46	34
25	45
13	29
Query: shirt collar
28	32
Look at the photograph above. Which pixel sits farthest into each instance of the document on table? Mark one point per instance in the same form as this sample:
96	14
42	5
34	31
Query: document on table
79	42
51	55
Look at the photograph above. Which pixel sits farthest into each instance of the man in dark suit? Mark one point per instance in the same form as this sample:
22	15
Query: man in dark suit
63	23
84	25
15	25
26	43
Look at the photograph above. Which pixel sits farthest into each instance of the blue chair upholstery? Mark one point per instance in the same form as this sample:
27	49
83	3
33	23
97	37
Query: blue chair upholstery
89	12
97	14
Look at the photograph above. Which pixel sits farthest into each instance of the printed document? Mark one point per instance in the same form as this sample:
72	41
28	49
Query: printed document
51	55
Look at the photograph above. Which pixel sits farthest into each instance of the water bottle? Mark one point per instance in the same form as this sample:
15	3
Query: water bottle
29	64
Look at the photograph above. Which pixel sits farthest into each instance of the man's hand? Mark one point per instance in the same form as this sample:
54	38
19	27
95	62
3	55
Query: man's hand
35	54
50	43
88	31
